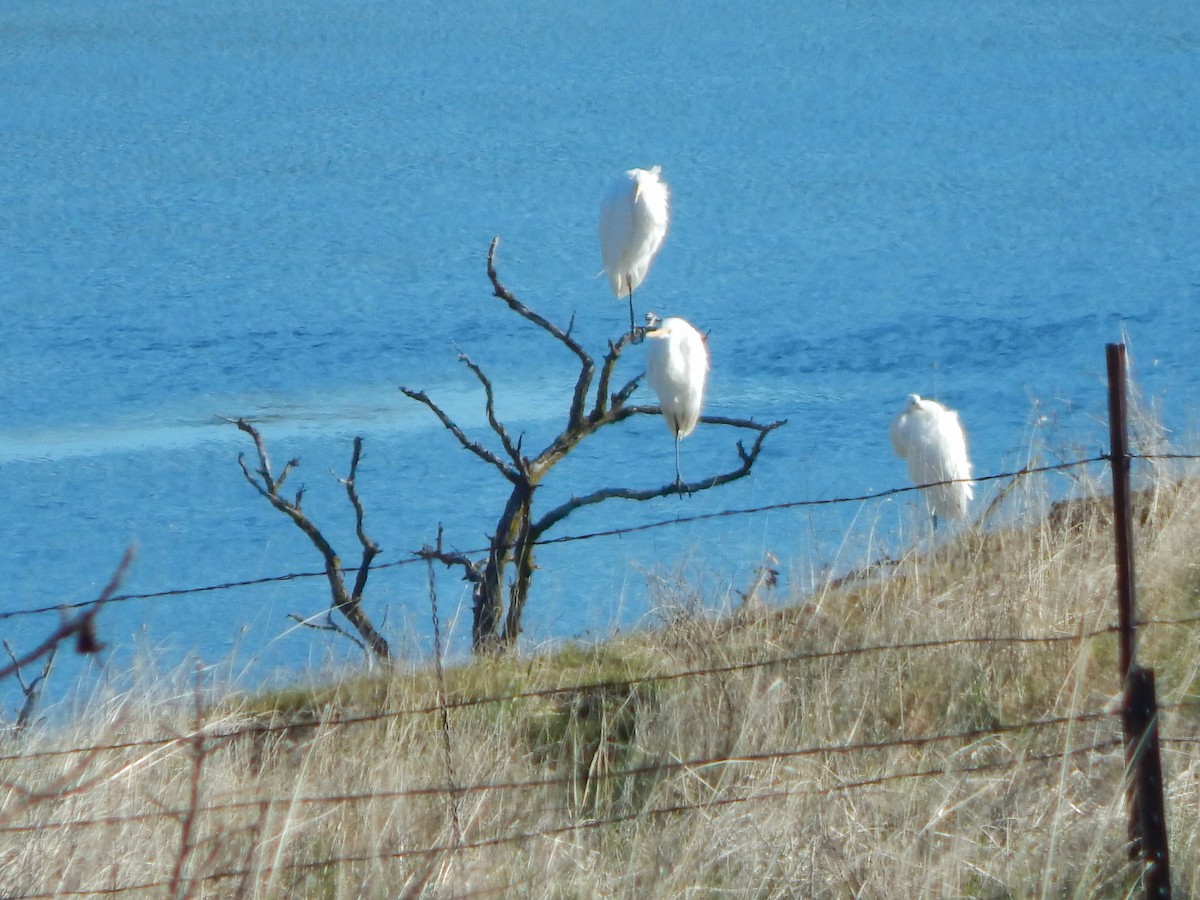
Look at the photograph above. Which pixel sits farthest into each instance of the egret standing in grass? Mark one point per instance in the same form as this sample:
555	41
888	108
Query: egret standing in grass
930	438
633	223
677	368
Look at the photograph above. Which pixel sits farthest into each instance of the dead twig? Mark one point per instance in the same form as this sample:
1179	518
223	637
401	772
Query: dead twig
513	450
748	457
328	625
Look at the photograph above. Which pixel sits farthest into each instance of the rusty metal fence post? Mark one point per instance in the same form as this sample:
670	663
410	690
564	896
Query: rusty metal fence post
1147	811
1140	716
1118	434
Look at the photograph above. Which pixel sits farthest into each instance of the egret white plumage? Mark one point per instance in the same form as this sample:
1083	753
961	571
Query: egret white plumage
677	369
633	223
930	438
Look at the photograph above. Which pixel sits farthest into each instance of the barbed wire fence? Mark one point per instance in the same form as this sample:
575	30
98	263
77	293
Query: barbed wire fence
1107	732
415	558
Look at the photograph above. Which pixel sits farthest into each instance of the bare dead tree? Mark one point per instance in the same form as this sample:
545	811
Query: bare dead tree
347	602
518	529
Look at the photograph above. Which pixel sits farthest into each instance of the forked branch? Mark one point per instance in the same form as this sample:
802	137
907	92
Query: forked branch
348	603
370	549
587	367
748	457
603	401
513	450
474	447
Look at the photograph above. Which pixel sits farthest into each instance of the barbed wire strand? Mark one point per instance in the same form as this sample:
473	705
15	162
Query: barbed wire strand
915	741
563	539
262	729
863	747
1107	745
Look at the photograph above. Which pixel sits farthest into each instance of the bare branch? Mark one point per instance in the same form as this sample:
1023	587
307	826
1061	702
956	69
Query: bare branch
254	482
343	601
472	572
478	449
327	625
525	312
82	627
33	689
619	398
490	406
370	548
587	366
606	371
748	458
264	461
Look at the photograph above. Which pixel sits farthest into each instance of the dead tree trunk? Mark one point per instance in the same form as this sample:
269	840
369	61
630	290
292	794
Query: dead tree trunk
510	558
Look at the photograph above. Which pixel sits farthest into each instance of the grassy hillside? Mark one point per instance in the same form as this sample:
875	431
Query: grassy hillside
938	726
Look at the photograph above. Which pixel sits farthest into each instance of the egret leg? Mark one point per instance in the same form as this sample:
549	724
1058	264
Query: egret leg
632	326
678	477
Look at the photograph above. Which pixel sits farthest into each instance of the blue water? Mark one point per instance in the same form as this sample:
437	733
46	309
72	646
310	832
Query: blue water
281	208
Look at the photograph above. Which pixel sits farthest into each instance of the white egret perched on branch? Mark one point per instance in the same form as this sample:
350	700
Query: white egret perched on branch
930	438
677	368
633	223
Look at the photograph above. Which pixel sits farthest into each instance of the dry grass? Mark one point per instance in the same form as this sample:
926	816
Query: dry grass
810	753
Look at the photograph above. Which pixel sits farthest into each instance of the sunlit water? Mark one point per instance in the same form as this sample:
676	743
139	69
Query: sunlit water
281	210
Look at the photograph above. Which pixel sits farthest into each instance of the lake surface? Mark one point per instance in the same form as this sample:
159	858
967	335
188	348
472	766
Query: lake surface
280	209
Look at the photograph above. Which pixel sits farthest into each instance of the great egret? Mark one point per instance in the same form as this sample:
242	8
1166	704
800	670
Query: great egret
677	368
633	223
930	438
